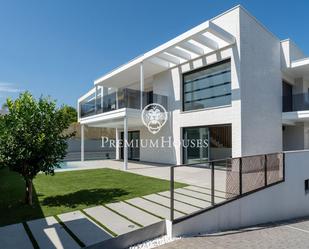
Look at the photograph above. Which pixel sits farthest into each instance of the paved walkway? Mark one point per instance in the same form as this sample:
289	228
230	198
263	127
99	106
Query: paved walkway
92	225
291	235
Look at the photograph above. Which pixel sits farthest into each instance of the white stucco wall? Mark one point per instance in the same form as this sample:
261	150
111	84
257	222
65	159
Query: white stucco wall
170	83
261	86
295	52
256	109
283	201
290	52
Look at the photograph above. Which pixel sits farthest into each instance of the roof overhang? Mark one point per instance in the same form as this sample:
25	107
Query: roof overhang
199	41
290	118
114	119
299	68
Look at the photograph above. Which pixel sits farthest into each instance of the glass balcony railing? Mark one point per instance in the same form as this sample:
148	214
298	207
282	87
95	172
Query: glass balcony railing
122	98
295	102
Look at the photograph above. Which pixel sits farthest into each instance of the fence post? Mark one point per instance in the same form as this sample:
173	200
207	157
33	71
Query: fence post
172	193
212	183
265	169
240	176
283	166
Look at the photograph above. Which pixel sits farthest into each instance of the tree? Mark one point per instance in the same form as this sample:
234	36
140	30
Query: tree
70	112
4	109
32	138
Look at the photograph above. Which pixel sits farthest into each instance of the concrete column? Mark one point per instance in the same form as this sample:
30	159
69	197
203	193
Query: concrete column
141	84
82	143
117	145
125	145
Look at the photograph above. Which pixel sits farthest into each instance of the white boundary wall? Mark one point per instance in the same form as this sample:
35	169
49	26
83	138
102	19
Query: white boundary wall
282	201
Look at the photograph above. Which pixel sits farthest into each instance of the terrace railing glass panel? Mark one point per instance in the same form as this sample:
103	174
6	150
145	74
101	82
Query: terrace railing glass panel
122	98
296	102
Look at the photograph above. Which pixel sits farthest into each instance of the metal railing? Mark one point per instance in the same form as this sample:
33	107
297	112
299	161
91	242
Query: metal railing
236	177
296	102
122	98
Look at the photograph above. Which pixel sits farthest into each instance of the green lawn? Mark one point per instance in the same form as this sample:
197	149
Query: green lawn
68	191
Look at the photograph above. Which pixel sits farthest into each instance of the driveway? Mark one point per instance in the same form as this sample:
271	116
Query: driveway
290	235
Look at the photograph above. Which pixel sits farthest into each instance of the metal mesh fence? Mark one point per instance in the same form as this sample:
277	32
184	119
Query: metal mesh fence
274	168
253	173
232	178
218	181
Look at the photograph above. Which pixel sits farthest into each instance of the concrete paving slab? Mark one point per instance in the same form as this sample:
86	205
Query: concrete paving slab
198	195
182	207
49	234
206	191
14	236
187	199
111	220
133	213
193	194
84	228
153	208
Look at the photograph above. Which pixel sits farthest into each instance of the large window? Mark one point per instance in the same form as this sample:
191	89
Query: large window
202	144
207	87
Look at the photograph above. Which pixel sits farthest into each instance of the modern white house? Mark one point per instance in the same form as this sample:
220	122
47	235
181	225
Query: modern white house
228	80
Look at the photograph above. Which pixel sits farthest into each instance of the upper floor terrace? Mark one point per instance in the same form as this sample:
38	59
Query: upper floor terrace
131	87
105	100
295	91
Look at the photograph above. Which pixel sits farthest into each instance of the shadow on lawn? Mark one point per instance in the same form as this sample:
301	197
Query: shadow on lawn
12	206
85	197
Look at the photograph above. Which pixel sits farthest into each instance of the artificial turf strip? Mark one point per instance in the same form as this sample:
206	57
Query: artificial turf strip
78	241
181	201
30	235
160	204
70	191
100	224
120	214
144	210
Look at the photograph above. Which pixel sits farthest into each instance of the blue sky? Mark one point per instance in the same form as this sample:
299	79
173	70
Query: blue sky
58	47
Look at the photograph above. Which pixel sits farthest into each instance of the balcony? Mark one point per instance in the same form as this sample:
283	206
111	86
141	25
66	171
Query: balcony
295	102
118	99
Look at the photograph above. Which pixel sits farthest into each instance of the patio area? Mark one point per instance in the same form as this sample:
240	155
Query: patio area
189	175
90	225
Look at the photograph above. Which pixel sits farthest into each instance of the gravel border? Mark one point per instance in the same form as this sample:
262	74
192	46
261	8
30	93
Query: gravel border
154	243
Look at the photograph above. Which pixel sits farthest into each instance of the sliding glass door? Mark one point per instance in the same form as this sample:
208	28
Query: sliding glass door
196	144
201	144
133	149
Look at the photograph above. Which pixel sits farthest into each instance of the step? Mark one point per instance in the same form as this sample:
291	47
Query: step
14	236
84	228
153	208
49	234
111	220
133	213
182	207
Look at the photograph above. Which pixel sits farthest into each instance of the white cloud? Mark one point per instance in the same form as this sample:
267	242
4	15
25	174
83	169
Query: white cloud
6	87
